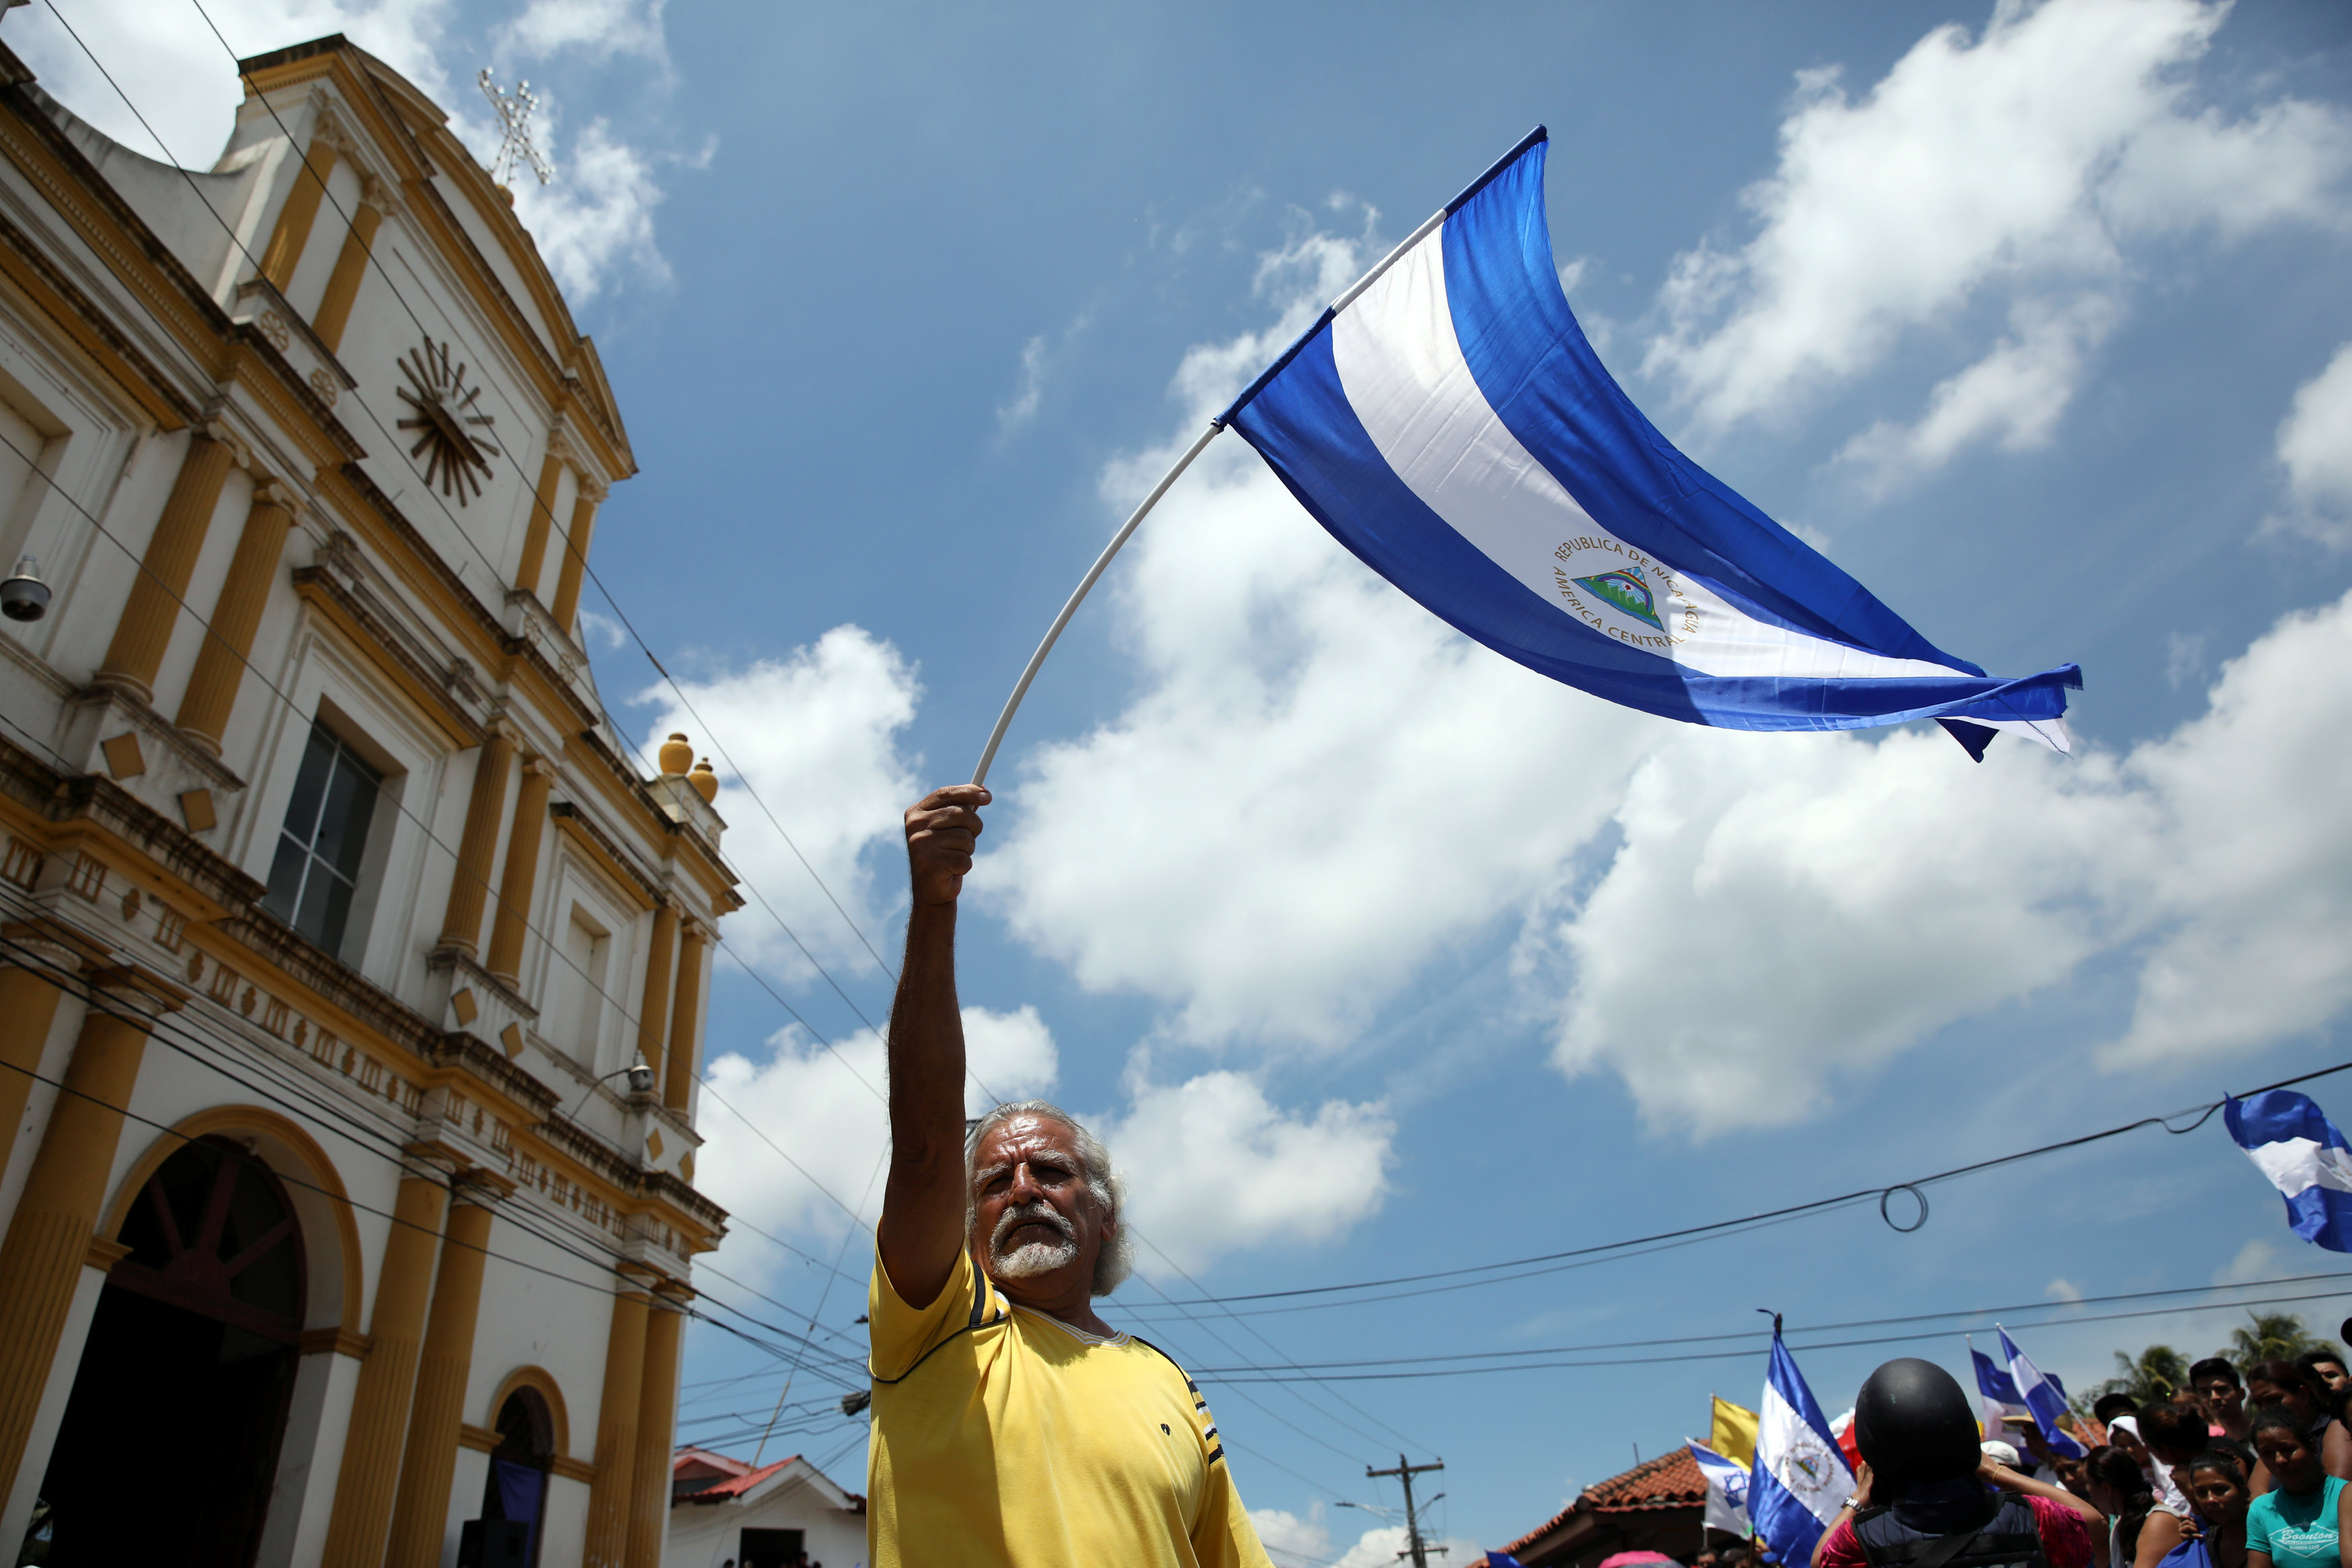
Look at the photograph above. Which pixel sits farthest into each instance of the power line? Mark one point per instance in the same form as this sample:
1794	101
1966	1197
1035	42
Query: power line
1278	1374
2202	1113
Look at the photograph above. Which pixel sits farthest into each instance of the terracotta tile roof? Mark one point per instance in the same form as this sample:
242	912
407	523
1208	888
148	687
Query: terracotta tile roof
741	1477
1671	1480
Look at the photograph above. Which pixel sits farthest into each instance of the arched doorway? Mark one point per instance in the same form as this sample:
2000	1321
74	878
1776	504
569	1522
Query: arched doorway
169	1447
516	1487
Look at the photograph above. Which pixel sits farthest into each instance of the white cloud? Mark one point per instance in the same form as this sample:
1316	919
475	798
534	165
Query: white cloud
1023	406
1213	1166
599	29
2063	1290
2256	1261
817	732
822	1107
1303	1539
2315	444
1853	896
1210	1166
1337	807
595	224
183	81
2030	160
2014	395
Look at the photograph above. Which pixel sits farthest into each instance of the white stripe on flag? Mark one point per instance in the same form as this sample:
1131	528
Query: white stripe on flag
1799	1458
2299	1165
1402	368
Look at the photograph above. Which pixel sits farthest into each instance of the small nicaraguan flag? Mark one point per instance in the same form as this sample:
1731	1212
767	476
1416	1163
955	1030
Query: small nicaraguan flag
1727	1488
2041	1394
2291	1139
1449	424
1801	1479
2002	1403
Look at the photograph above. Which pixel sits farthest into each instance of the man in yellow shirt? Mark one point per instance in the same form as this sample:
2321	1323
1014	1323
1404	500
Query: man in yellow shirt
1011	1425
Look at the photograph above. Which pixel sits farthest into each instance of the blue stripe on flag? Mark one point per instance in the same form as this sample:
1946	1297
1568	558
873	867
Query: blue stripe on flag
1538	371
1788	1526
1992	1382
2290	1138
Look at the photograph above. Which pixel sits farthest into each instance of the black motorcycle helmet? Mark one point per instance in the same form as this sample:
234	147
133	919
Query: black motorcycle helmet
1913	1423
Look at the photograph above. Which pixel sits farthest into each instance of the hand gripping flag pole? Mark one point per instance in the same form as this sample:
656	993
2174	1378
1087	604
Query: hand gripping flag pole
1448	422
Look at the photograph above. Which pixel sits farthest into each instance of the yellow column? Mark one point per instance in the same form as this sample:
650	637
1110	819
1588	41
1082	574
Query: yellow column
334	311
469	886
542	516
420	1514
372	1442
153	607
685	1018
657	1411
29	1006
616	1430
653	1016
56	1214
575	555
295	218
212	691
510	923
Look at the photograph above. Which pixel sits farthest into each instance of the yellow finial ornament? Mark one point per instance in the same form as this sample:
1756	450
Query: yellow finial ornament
705	782
676	756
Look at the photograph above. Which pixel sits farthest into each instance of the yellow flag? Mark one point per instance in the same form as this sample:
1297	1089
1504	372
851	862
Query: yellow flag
1734	1432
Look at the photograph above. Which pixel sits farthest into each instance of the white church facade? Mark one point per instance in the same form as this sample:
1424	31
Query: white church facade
352	970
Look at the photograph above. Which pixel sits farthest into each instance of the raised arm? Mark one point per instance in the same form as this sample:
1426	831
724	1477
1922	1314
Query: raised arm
923	1206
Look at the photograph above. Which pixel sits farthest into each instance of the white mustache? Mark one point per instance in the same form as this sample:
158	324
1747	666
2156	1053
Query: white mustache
1036	1212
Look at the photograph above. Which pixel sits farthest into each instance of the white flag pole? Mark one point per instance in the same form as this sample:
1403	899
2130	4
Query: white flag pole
1053	633
1012	703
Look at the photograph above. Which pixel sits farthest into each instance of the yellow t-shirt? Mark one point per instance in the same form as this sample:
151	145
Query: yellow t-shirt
1003	1436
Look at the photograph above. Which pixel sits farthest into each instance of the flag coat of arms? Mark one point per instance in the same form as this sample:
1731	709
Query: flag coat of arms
1800	1480
2290	1141
1448	423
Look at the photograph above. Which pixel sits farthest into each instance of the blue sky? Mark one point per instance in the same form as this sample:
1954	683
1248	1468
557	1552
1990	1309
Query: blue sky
1376	954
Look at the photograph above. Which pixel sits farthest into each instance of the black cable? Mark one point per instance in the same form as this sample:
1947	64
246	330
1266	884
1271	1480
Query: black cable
2203	1112
1275	1375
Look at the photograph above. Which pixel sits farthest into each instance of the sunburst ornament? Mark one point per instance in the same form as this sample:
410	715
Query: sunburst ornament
456	455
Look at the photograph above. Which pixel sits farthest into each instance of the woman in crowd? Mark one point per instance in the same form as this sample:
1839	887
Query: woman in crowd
2114	1483
2217	1484
2280	1384
2301	1524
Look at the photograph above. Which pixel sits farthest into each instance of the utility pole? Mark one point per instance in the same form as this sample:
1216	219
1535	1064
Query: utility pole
1405	1472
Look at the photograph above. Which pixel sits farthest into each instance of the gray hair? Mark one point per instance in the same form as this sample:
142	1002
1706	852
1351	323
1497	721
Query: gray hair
1117	1258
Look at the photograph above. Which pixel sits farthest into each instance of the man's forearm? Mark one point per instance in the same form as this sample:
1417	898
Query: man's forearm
926	1045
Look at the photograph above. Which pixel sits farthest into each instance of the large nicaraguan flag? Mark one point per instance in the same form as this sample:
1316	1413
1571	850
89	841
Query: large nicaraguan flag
1800	1480
2291	1139
2042	1395
2002	1403
1448	423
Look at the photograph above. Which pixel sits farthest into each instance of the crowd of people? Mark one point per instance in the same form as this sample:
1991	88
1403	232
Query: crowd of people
2234	1471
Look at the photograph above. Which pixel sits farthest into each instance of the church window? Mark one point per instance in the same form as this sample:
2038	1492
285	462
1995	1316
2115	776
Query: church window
317	871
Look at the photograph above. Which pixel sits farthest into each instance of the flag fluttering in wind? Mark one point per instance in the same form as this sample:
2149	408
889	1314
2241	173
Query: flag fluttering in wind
2041	1395
2291	1139
1801	1479
1448	423
1727	1488
1732	1431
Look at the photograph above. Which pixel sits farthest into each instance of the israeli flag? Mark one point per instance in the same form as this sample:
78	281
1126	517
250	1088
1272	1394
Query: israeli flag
1800	1480
1727	1488
2041	1394
2300	1150
1448	422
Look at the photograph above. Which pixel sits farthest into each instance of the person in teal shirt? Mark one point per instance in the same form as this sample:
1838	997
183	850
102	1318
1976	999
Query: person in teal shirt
2302	1523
